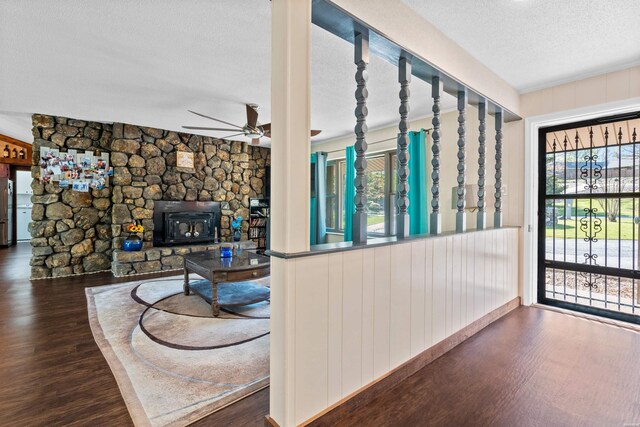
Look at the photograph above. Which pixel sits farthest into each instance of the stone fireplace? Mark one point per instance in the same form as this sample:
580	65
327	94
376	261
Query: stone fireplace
185	223
77	233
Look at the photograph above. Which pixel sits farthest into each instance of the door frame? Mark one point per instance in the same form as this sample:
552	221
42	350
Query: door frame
532	127
13	175
541	226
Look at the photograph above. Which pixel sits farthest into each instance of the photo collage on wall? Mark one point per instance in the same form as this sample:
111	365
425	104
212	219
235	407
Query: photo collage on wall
80	171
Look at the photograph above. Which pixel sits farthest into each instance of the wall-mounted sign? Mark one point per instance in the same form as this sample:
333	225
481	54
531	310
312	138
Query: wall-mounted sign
184	159
76	170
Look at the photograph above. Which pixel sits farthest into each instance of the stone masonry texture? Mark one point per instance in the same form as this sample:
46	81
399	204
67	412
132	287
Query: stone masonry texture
76	233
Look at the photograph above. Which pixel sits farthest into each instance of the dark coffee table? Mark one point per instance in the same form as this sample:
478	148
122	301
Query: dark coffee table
226	278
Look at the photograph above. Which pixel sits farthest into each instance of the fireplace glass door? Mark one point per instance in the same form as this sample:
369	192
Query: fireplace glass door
187	227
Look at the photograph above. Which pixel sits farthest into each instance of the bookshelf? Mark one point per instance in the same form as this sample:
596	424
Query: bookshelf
259	223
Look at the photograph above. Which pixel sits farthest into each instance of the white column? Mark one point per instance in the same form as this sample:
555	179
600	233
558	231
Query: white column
290	181
290	128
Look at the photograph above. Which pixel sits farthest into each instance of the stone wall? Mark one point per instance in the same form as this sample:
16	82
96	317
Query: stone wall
145	170
71	231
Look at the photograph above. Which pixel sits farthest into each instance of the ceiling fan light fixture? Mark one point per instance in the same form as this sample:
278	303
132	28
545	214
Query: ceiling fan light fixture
253	129
253	134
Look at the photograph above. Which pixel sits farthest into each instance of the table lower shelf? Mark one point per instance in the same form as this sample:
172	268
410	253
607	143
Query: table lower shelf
231	294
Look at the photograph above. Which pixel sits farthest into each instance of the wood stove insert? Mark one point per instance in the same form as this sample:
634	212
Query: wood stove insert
179	222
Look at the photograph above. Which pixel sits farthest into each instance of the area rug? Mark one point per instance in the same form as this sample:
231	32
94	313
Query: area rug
173	361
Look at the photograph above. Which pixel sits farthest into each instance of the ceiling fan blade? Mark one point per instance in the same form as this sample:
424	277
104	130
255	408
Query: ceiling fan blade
217	120
255	141
252	116
231	136
205	128
266	128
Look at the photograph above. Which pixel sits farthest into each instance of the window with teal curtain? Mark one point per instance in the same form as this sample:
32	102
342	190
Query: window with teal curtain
349	193
318	229
312	204
418	194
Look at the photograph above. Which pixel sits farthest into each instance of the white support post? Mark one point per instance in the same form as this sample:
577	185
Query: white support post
290	182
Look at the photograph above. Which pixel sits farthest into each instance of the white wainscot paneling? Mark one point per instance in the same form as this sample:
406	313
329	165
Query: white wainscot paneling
359	314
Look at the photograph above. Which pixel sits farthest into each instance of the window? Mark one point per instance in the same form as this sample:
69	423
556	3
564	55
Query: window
393	185
377	195
332	197
380	175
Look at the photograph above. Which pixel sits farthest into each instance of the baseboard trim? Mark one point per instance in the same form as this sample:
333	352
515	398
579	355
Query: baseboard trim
332	415
270	422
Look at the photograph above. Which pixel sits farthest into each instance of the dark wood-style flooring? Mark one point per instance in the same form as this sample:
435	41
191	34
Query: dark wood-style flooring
51	370
533	367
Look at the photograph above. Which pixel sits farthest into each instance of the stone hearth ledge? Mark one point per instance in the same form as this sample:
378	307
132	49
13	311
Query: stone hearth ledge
165	258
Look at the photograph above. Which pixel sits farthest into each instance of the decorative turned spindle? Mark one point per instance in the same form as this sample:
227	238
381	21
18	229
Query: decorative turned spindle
435	222
481	221
361	60
497	216
461	216
402	217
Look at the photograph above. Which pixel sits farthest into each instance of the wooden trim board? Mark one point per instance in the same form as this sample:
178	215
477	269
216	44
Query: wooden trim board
8	140
332	415
13	143
270	422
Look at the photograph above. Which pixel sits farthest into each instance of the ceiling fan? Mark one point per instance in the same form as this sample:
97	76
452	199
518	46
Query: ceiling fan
252	129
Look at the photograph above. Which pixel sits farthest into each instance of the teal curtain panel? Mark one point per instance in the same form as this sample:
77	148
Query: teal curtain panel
418	191
349	193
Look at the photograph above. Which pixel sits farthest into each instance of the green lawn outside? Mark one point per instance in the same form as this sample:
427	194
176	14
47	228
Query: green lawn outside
626	230
626	207
375	219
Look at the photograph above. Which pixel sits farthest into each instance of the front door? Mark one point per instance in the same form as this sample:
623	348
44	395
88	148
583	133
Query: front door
589	218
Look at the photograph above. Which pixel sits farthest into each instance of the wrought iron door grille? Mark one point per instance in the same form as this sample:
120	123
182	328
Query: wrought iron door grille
590	224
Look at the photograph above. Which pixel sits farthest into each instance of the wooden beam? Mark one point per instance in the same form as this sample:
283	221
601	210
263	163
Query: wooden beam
21	162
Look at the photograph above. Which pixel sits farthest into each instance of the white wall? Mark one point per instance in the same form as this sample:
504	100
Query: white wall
359	314
598	90
584	99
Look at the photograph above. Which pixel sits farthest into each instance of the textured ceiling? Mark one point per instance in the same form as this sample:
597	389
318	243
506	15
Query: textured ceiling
147	62
539	43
